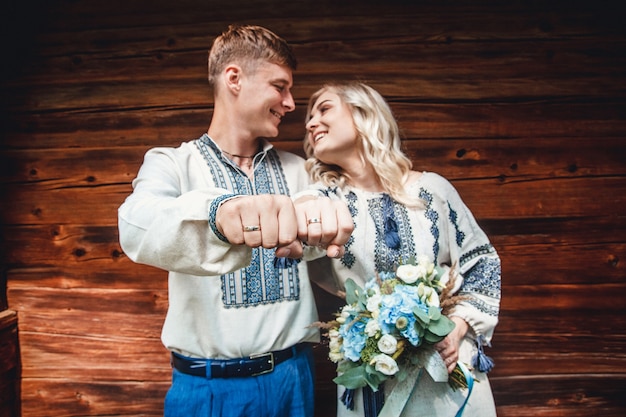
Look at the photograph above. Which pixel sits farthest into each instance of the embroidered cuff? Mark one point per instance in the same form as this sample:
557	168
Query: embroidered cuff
215	204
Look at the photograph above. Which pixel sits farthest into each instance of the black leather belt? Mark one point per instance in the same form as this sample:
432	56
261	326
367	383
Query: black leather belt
231	368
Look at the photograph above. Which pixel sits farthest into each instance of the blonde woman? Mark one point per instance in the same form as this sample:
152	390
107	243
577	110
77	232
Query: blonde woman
354	154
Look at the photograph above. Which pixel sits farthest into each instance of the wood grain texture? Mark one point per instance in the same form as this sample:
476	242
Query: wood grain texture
521	104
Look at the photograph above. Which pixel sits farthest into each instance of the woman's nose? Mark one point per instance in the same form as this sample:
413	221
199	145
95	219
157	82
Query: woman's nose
311	124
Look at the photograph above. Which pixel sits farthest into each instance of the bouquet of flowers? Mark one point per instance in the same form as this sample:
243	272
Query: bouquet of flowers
389	326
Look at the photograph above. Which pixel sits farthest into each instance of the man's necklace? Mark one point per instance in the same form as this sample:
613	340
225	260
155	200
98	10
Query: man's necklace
234	155
248	157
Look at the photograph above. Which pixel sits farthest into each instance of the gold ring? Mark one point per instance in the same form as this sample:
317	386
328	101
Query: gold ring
314	220
251	228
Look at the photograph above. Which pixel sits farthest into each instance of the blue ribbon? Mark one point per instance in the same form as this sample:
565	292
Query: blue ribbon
347	398
470	384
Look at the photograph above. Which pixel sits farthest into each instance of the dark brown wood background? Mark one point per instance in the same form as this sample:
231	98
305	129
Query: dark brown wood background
521	104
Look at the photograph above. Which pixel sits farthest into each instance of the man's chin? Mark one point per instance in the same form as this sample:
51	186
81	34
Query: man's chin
272	133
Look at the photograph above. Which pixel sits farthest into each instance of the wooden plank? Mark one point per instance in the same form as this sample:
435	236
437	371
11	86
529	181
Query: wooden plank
111	333
88	358
130	313
140	312
592	297
555	396
442	61
561	263
532	14
458	158
98	273
495	198
173	122
546	396
9	347
66	259
526	320
194	93
85	396
523	21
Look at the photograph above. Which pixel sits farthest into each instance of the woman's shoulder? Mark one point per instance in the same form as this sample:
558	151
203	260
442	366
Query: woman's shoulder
431	183
428	180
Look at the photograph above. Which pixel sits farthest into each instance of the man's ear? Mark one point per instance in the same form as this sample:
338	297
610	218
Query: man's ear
233	78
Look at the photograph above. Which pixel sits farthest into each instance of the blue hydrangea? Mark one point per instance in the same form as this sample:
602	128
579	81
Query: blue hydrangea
353	334
400	304
372	284
386	275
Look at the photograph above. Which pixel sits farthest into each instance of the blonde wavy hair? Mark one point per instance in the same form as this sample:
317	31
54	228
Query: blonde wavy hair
247	45
380	143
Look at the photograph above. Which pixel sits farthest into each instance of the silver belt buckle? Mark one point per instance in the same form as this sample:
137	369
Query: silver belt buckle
270	357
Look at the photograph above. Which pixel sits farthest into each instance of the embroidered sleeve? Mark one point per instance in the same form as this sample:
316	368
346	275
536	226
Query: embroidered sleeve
477	264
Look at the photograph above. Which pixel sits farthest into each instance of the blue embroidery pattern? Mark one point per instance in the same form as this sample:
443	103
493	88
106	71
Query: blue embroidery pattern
385	257
264	281
478	251
483	278
213	212
460	236
433	216
348	259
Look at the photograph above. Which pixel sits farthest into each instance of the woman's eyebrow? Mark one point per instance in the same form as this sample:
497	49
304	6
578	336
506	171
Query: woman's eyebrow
325	101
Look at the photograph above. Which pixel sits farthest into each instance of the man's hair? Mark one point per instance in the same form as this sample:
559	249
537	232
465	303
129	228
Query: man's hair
247	45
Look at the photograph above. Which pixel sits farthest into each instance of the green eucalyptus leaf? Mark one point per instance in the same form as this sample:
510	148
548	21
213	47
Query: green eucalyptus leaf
353	378
434	313
432	338
374	378
353	292
421	316
441	327
345	366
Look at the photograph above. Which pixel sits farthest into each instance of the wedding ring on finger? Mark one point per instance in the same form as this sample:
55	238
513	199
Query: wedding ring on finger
251	228
314	220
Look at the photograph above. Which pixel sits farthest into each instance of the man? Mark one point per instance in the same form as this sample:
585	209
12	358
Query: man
216	213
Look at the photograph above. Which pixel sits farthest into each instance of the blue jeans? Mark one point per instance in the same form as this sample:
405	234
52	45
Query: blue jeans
287	391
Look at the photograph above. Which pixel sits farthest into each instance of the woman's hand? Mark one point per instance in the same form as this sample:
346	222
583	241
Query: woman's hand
325	223
448	348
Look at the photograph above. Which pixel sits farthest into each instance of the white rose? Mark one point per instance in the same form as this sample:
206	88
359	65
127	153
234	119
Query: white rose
428	295
373	303
335	356
346	312
371	328
385	364
333	333
433	299
387	344
334	345
426	265
408	273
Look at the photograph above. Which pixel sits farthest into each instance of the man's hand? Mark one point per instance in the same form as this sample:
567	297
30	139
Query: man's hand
325	223
266	220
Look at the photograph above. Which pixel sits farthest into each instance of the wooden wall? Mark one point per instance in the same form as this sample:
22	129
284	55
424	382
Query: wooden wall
522	104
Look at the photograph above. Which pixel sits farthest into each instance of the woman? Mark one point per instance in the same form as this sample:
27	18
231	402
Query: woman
353	149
